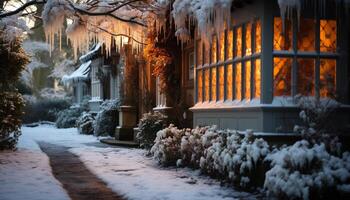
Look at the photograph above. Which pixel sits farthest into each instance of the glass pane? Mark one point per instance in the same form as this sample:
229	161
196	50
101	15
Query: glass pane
206	54
206	84
257	78
200	86
221	83
229	78
282	39
213	50
213	84
306	35
248	70
238	44
230	44
222	46
238	81
257	36
306	77
199	53
327	77
248	39
328	36
282	76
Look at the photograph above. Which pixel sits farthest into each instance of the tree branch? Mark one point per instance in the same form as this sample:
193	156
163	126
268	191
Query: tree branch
20	9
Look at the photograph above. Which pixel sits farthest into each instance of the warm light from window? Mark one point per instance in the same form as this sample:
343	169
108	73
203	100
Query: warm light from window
200	86
206	84
213	50
306	35
199	53
229	77
258	37
282	76
221	82
306	77
213	84
328	35
238	81
327	77
282	40
222	46
230	44
257	78
206	54
248	69
238	44
248	39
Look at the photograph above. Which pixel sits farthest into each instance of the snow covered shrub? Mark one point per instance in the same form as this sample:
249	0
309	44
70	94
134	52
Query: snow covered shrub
107	118
316	115
307	171
236	157
149	125
85	123
166	150
67	118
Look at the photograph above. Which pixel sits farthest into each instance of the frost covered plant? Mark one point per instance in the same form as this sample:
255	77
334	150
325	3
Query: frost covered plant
107	118
166	150
306	171
85	123
149	125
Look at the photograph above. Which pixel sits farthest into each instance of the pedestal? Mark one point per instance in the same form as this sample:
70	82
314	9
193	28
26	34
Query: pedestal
127	122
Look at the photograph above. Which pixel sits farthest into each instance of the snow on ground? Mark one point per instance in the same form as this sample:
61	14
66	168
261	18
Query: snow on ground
126	171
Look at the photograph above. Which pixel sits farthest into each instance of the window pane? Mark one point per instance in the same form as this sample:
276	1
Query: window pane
238	81
222	46
213	50
213	84
257	36
200	86
306	35
282	76
257	78
221	83
327	77
206	54
206	84
328	36
238	44
248	39
306	77
229	78
199	53
247	79
230	44
282	40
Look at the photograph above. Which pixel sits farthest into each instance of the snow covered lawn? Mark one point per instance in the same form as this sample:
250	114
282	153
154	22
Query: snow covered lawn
26	173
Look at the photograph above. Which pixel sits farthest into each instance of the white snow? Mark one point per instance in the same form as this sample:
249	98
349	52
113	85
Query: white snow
82	73
25	174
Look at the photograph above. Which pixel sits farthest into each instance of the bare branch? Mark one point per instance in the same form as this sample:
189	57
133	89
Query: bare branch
20	9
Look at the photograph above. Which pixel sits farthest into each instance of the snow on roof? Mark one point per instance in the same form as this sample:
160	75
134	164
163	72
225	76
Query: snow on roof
82	73
89	55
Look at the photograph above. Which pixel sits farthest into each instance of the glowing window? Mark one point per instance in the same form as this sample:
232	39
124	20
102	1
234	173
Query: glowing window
206	84
327	77
230	44
213	84
257	78
200	86
238	81
222	46
221	82
229	79
248	39
282	76
306	35
213	50
238	43
206	54
306	77
282	40
247	73
328	35
199	53
258	36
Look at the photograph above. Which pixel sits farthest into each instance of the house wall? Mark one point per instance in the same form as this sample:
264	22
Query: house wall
96	87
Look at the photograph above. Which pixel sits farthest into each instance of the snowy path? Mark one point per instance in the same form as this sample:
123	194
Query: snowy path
126	171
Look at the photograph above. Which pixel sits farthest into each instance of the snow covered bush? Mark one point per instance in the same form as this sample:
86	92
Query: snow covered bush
107	118
307	171
85	123
166	150
67	118
149	125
